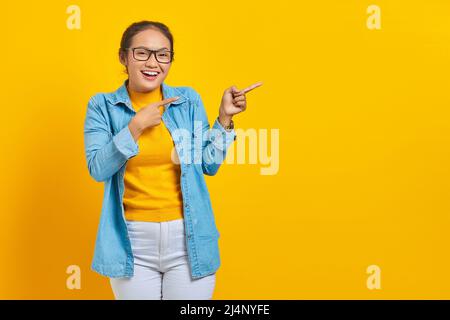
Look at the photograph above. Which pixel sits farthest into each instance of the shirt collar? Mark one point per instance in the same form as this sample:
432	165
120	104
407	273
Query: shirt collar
121	95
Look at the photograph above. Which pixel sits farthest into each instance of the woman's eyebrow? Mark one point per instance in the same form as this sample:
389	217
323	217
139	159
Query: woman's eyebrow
144	47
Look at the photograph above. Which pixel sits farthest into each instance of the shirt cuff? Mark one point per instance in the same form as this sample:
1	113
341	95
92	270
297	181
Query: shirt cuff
222	136
125	143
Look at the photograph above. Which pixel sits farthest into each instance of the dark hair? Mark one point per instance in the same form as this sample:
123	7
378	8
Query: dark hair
137	27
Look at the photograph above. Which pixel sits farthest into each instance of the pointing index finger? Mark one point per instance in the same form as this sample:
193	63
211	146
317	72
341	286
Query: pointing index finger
166	101
253	86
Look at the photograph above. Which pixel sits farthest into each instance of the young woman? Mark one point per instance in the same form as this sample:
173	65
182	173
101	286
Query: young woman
151	144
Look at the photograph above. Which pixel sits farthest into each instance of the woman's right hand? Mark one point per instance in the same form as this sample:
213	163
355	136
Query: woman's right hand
147	117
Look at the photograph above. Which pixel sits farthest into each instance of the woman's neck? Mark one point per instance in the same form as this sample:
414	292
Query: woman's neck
143	98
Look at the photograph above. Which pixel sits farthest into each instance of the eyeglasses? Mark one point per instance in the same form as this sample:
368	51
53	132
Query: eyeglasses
143	54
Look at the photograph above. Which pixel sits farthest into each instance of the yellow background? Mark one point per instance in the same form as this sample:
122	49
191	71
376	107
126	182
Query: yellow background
363	117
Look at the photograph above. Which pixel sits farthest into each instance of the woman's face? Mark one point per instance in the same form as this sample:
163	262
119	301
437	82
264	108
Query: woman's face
150	39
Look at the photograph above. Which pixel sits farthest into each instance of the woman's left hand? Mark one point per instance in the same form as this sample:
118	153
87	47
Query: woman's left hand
234	101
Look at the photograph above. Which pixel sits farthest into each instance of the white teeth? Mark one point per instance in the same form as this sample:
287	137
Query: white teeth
150	73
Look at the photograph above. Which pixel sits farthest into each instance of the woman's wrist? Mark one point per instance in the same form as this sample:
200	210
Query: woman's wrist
135	129
225	121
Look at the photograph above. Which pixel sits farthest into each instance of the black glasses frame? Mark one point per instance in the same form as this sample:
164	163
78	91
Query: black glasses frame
152	52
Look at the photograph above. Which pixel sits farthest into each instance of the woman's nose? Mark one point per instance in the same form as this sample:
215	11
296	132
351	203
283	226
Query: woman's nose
152	60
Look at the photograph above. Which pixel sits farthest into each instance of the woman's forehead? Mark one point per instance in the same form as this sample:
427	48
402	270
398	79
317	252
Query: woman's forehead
151	39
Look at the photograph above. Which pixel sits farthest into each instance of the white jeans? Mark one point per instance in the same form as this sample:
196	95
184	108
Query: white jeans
161	265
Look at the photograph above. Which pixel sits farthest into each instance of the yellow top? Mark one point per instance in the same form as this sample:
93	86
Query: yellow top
152	180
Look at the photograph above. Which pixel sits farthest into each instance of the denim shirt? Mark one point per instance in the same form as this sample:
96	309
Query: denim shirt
108	146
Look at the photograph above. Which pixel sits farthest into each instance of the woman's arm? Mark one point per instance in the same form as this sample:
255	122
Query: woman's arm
135	129
215	146
105	153
214	142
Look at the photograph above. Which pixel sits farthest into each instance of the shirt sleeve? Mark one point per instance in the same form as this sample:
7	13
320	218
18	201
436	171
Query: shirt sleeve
105	153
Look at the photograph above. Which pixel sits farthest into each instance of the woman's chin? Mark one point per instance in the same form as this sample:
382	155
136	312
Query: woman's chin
145	86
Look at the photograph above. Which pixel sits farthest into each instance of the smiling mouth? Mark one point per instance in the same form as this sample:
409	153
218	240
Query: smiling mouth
150	75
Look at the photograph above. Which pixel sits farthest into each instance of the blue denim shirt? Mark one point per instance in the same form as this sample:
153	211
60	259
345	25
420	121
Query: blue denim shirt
108	146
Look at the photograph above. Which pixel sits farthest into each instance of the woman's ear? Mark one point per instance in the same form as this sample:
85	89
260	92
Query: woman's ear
122	59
